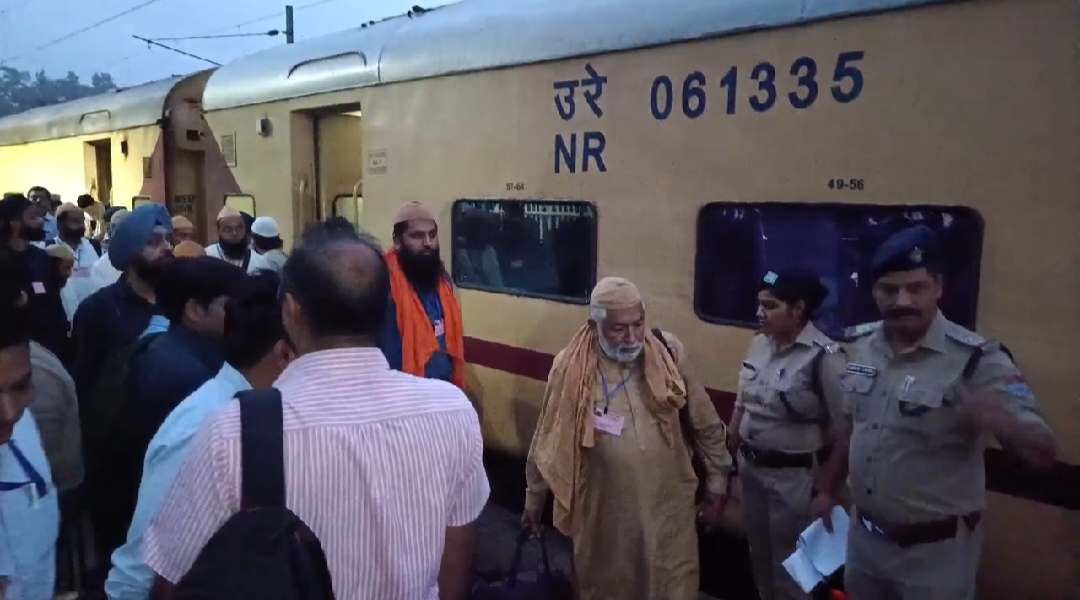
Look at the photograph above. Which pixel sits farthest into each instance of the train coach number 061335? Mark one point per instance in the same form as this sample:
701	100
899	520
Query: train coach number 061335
845	83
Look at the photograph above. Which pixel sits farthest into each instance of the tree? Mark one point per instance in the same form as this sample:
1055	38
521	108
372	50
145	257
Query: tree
19	90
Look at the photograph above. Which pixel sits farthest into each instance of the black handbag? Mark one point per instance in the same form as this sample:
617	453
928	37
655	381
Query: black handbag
541	583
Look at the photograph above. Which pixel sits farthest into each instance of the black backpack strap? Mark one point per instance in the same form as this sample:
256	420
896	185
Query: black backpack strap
247	260
262	449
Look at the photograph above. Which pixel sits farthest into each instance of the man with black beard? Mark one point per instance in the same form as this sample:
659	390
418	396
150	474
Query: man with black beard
234	245
114	316
20	228
423	332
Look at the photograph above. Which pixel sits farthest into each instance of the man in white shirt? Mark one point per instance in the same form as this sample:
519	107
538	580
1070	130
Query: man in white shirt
103	272
266	240
71	231
233	244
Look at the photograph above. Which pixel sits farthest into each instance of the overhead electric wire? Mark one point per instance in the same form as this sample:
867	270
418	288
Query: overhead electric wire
269	33
171	49
77	32
280	13
213	34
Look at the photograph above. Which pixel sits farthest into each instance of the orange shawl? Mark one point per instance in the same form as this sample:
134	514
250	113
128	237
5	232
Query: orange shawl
418	341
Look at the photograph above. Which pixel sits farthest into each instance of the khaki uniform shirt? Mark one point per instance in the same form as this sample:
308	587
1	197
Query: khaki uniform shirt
769	377
912	457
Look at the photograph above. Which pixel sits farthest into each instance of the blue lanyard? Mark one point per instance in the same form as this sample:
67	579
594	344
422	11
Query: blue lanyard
36	479
608	393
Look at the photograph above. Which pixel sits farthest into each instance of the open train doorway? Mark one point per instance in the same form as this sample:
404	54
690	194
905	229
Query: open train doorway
97	163
339	164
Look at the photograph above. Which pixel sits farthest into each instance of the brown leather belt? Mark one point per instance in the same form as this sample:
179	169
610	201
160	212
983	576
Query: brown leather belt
774	459
914	534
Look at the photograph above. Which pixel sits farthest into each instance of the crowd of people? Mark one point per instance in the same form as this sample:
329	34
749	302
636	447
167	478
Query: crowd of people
191	385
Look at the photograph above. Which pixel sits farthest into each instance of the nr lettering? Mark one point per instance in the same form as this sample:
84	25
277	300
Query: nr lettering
580	151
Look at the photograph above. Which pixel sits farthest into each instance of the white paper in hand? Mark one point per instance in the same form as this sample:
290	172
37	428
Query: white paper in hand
819	554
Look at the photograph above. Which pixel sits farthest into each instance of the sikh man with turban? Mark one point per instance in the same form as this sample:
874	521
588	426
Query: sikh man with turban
609	447
234	245
423	333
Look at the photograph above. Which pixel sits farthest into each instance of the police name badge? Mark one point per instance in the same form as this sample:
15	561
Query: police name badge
863	370
608	423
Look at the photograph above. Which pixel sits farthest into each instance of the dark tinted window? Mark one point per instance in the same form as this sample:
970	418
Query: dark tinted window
737	243
525	247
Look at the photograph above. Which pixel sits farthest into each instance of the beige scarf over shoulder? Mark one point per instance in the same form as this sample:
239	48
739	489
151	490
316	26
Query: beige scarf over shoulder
565	425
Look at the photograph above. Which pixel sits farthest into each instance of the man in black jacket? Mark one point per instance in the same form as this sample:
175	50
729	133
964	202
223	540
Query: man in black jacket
21	225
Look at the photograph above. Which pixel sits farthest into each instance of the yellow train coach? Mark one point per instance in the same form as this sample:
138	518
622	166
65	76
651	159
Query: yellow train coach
146	143
689	146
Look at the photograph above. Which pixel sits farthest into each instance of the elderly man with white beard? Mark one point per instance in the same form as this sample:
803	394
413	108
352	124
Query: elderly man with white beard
615	452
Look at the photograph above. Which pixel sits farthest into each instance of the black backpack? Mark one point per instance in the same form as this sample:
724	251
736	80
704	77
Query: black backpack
263	552
109	415
109	418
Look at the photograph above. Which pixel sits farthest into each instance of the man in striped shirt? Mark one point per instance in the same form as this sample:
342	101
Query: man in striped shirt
384	467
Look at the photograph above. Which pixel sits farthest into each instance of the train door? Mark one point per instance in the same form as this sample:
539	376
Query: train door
187	189
303	153
97	169
339	165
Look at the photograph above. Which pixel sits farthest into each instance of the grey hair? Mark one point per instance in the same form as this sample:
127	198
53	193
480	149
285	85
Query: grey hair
597	314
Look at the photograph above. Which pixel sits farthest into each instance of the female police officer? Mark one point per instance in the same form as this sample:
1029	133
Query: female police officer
789	393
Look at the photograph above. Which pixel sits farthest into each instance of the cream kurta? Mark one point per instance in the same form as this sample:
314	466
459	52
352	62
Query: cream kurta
633	524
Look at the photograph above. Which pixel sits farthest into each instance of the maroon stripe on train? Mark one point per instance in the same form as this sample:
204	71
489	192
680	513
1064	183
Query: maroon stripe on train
1004	473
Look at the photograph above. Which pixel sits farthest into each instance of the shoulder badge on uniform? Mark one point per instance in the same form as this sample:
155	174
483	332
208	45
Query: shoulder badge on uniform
830	347
966	336
862	329
1017	387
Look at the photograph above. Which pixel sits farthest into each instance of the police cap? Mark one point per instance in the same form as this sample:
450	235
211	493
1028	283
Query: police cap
906	250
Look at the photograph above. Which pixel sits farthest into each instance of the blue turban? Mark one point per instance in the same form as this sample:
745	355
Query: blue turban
133	234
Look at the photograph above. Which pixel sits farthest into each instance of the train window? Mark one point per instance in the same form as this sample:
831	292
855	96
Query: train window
244	203
345	205
535	248
137	201
737	243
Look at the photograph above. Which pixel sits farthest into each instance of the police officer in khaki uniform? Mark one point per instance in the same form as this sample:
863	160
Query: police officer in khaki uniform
789	394
923	394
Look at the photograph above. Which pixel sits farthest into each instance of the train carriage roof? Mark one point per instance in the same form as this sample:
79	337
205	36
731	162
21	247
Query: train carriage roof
126	108
475	35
